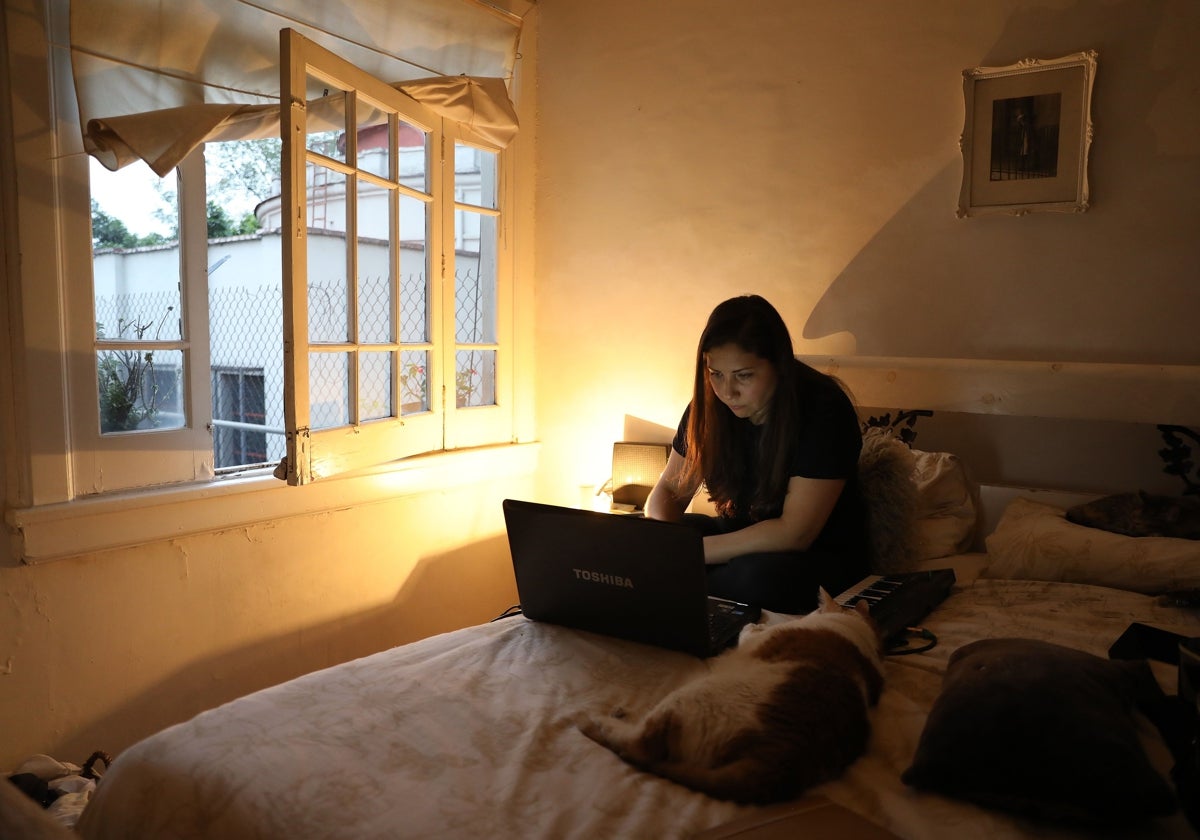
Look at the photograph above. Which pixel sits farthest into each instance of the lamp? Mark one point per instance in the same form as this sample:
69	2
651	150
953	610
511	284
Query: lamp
635	470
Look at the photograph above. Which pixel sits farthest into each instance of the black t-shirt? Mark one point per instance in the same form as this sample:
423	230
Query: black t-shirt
826	445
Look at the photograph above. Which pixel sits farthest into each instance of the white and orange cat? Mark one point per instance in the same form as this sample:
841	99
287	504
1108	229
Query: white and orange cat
783	711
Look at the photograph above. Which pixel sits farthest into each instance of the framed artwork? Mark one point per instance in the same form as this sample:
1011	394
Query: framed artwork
1026	135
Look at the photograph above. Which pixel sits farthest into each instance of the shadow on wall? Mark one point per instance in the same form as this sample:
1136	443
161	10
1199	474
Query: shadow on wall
1113	284
208	682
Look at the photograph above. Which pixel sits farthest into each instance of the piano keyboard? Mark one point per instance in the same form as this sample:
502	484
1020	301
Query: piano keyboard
899	601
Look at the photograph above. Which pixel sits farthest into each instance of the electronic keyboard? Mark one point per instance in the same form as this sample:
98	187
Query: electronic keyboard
899	601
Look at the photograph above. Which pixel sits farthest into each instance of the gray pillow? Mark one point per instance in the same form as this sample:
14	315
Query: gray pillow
1043	731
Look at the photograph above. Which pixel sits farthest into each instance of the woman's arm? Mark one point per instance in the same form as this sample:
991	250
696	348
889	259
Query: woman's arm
670	497
806	507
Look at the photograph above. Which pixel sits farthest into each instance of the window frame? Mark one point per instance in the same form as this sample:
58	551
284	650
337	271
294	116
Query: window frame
138	460
51	512
319	453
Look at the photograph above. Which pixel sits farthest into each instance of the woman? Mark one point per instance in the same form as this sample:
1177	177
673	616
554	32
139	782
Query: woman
776	443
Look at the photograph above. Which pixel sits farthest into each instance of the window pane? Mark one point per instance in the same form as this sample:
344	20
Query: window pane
374	265
135	254
413	157
474	378
328	291
239	405
475	283
374	144
329	389
475	310
245	302
475	176
375	386
326	120
140	389
414	381
414	284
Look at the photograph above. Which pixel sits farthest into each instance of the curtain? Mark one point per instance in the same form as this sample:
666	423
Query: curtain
155	78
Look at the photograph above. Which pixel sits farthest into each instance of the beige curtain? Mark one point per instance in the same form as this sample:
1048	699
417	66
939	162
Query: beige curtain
155	78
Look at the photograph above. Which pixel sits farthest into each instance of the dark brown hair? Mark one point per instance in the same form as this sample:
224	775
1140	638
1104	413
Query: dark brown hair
754	325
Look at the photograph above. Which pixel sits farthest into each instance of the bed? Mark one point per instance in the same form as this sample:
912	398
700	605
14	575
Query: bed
472	733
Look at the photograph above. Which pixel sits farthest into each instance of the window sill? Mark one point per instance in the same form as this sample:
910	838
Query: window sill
125	520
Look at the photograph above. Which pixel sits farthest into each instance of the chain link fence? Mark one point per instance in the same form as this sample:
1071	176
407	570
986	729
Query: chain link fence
246	356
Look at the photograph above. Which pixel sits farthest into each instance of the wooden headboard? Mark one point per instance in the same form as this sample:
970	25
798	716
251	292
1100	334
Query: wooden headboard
1073	427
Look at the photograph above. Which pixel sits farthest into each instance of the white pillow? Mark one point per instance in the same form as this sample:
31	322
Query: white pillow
1034	541
946	505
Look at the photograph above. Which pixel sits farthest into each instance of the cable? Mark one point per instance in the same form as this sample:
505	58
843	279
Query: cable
515	609
905	647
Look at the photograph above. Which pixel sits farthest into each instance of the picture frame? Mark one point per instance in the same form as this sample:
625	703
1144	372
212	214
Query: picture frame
1026	136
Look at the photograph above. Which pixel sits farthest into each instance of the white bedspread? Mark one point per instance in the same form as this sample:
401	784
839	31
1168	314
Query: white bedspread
470	734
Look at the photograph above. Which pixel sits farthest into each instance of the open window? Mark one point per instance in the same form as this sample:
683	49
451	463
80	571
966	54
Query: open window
394	303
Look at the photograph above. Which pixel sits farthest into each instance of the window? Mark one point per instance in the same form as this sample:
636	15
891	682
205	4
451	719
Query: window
135	363
239	405
195	285
393	299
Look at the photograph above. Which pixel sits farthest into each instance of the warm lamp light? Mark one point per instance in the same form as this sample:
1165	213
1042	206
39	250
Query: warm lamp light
636	468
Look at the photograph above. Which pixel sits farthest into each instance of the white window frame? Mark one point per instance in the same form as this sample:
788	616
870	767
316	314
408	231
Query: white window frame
133	460
52	510
315	454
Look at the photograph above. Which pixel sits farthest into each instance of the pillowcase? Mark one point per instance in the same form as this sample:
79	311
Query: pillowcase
1034	541
947	510
1043	731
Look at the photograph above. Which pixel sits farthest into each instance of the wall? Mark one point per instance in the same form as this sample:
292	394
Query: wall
102	650
808	151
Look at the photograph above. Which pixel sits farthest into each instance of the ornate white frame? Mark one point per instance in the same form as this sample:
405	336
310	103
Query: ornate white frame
1067	192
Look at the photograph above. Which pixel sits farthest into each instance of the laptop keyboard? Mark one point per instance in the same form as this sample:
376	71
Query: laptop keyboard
724	617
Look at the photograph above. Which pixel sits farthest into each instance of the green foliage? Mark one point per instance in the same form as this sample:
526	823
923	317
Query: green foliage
245	167
129	393
220	223
109	232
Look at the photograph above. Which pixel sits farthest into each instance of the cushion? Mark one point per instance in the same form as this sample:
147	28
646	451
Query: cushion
1034	541
885	480
947	507
1043	731
1141	514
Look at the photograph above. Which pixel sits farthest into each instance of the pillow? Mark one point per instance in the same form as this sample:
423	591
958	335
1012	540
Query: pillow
1141	514
885	481
1044	731
1035	541
947	509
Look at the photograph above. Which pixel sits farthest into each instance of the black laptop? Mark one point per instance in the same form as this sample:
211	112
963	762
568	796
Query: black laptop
624	576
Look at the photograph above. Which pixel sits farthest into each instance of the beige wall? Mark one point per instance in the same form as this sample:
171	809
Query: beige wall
808	151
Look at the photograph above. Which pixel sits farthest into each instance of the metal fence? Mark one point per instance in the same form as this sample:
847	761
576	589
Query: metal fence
246	356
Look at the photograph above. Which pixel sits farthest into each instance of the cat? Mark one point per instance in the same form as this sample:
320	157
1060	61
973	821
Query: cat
786	709
1141	514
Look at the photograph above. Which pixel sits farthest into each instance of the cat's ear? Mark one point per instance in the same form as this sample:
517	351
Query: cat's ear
862	608
825	602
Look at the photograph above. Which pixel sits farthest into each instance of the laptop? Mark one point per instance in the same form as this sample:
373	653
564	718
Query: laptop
624	576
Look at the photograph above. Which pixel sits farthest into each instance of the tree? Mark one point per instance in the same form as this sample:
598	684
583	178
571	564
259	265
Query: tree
244	168
109	232
219	221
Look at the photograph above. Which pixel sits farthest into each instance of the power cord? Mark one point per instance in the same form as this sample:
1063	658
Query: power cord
905	646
